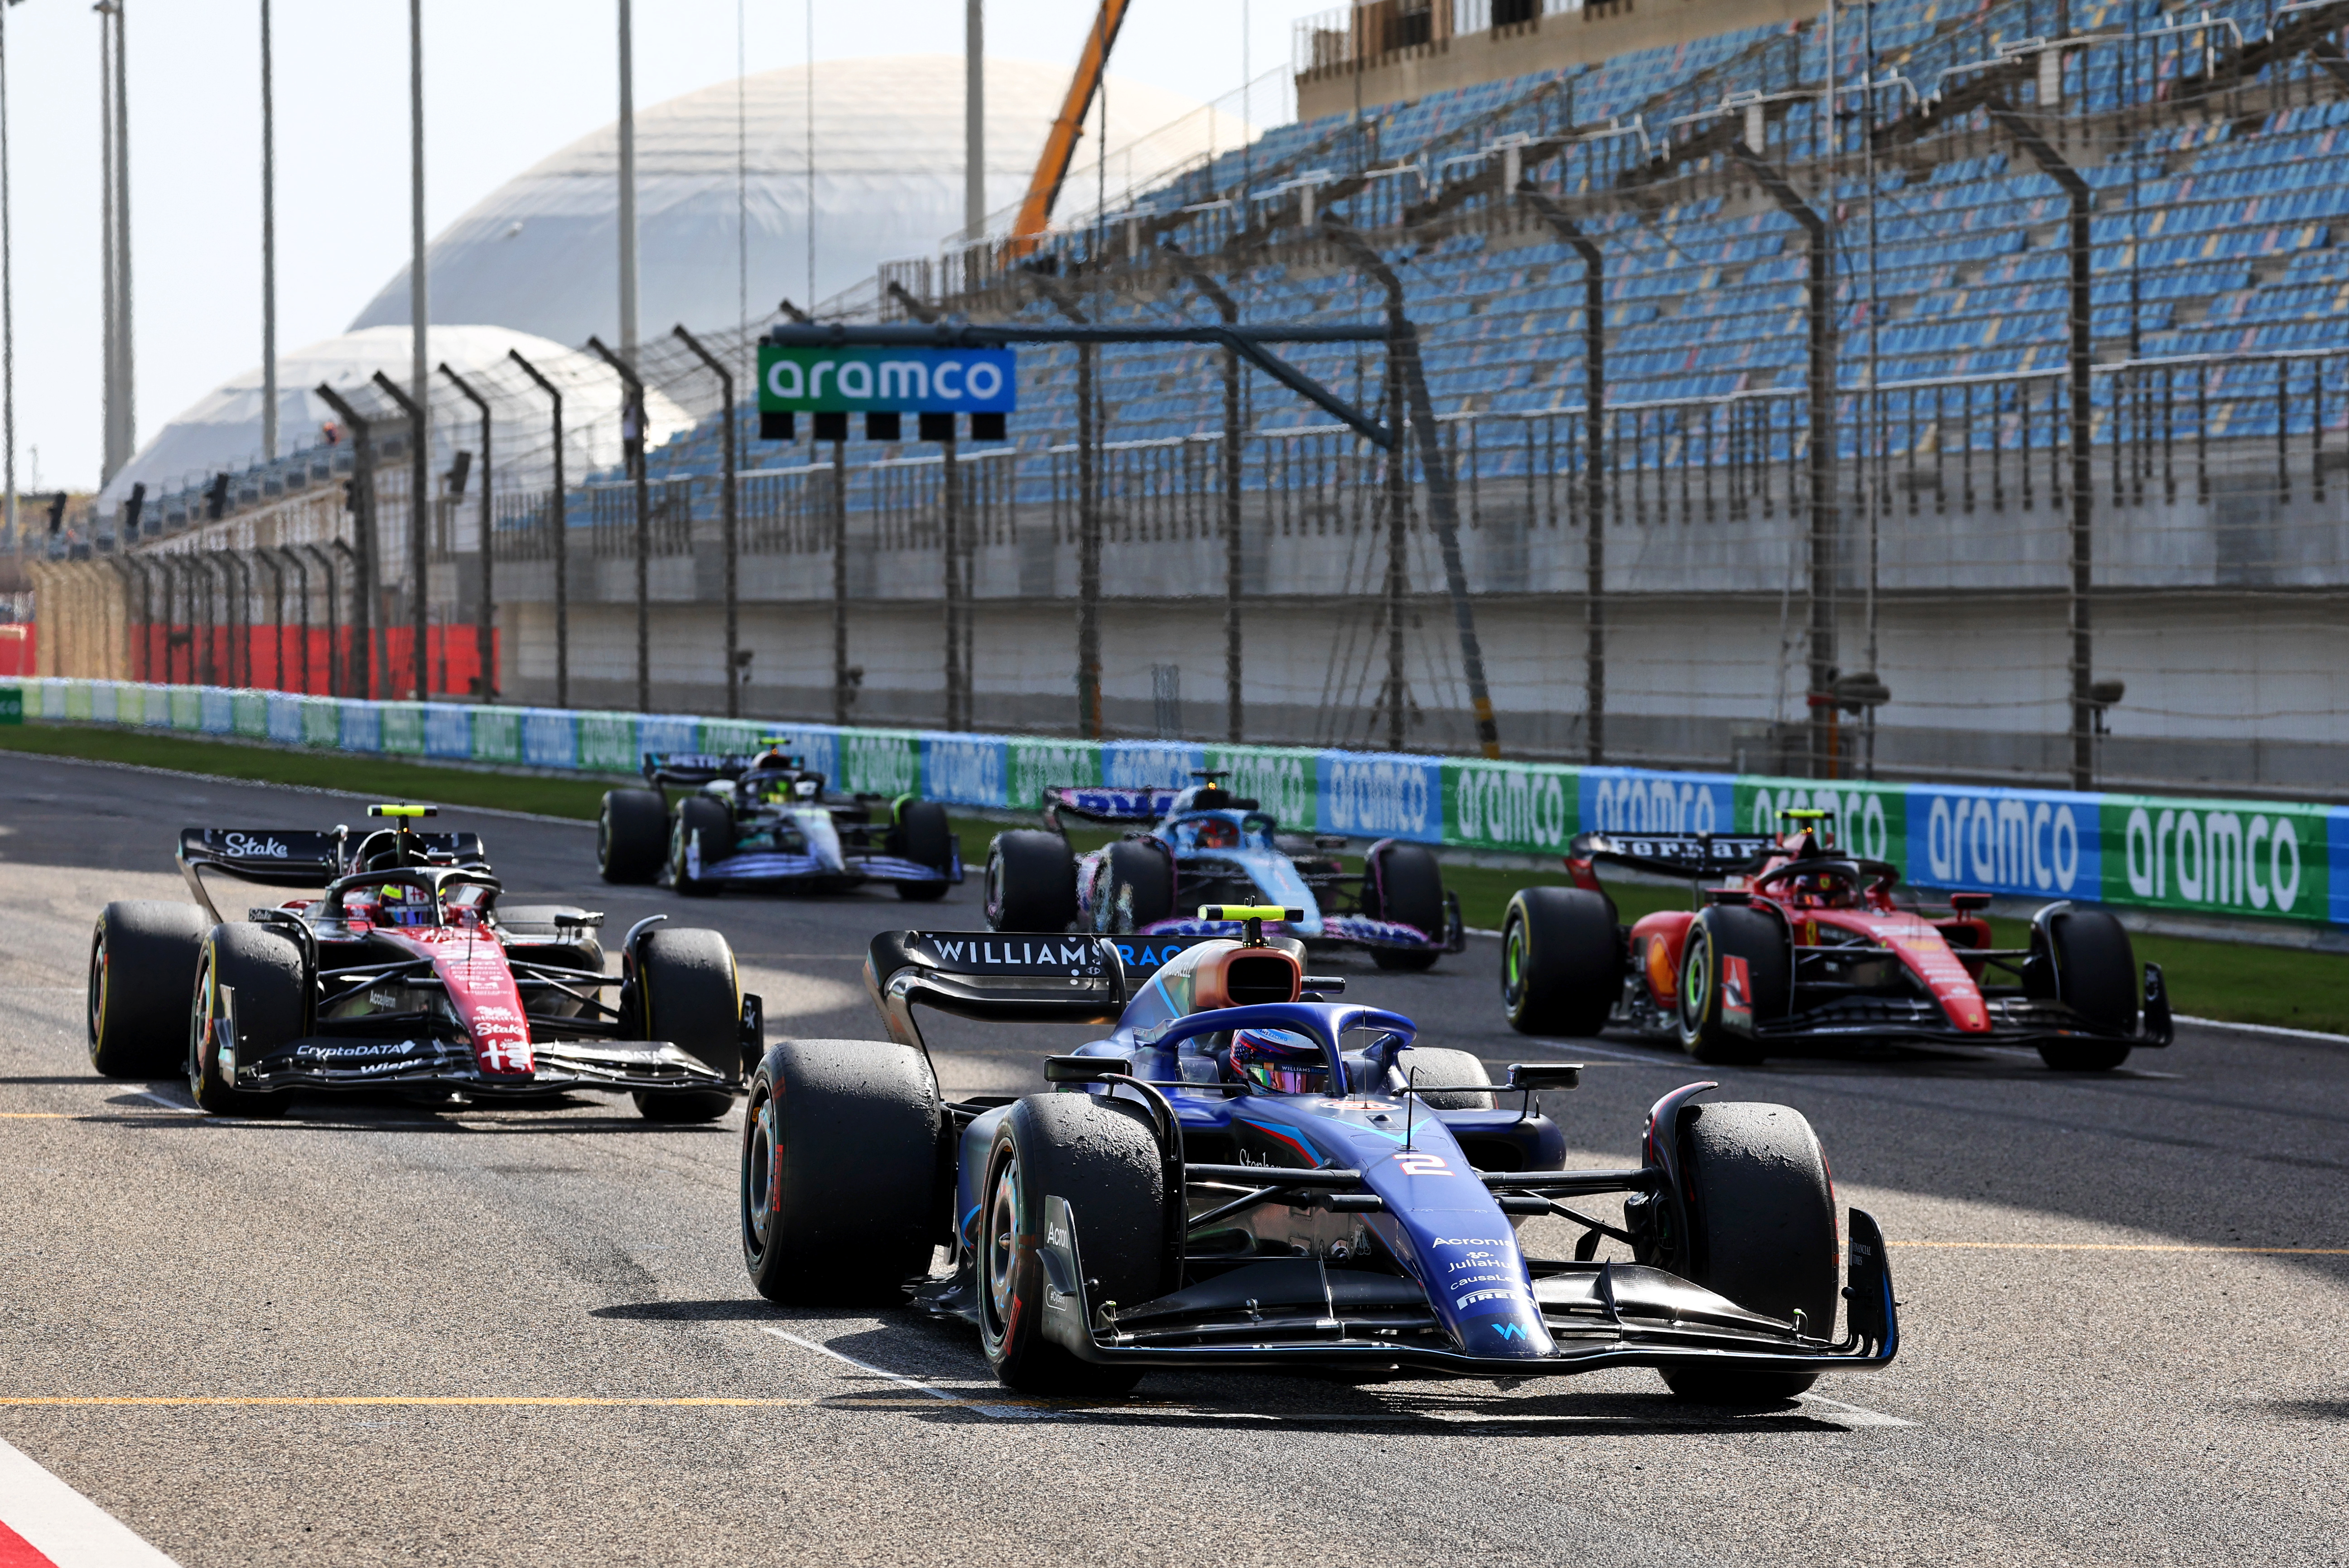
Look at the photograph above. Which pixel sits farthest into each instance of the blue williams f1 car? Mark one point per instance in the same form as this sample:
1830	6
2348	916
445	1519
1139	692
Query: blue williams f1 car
1206	845
1247	1173
761	820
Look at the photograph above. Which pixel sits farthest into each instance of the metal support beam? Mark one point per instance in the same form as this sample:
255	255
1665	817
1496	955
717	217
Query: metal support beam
1233	559
728	518
562	539
485	618
1594	466
1443	500
843	686
419	518
1820	383
360	675
632	435
2084	710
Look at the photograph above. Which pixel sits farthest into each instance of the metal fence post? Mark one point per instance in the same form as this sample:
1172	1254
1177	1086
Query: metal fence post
420	512
1231	456
561	540
358	673
728	518
485	621
840	692
632	433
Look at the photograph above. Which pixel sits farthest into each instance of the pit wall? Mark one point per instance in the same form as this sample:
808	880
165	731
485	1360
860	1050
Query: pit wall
2257	860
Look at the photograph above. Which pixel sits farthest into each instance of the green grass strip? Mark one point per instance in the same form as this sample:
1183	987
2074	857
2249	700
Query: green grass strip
2239	981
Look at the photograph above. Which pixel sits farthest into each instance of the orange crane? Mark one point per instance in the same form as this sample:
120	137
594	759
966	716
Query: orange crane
1061	144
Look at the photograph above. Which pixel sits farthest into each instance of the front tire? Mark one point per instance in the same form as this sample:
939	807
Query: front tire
692	998
926	837
1032	882
1561	961
1404	884
631	834
2096	976
1105	1165
143	957
1762	1232
263	970
1709	1030
839	1159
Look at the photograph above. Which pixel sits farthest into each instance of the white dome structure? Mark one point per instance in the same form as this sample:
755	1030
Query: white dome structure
540	254
222	432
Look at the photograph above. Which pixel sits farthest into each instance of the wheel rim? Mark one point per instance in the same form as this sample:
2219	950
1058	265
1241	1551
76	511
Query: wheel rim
1697	980
760	1187
604	839
1512	963
993	894
999	1241
97	967
200	1025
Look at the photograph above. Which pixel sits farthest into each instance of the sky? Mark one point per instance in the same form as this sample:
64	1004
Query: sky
505	83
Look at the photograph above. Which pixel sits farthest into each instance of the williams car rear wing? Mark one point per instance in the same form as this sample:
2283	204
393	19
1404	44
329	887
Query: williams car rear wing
1010	977
1689	854
1096	802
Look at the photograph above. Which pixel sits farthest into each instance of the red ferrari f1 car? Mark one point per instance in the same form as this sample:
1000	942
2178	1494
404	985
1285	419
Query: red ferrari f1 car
1801	941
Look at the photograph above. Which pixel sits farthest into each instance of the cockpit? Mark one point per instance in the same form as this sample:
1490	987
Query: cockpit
1222	830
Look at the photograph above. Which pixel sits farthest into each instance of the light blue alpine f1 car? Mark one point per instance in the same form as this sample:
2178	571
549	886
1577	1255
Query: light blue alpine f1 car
762	821
1247	1172
1204	845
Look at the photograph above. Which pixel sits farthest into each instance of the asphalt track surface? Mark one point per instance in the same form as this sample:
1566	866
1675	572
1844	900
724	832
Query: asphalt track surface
375	1333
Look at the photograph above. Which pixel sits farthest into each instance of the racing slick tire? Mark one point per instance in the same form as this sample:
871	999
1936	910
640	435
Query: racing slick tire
1105	1164
1762	1226
2095	974
691	998
1709	1028
840	1170
926	837
706	824
138	1028
263	970
1402	883
1032	882
631	834
1141	884
1561	961
1438	1066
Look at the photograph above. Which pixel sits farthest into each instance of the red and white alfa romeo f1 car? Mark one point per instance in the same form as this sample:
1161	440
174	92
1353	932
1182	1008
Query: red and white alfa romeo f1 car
403	973
1800	942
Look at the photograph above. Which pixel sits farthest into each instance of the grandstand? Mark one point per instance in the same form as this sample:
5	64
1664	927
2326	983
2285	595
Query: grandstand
1945	547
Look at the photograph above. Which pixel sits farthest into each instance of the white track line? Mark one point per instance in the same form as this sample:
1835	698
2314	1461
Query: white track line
181	1107
1850	1415
2276	1029
997	1408
59	1525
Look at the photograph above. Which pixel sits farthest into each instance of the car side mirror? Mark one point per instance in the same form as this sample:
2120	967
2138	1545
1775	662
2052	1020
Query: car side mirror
1545	1076
1325	984
1085	1069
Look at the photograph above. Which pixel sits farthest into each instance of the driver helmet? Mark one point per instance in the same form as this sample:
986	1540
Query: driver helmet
1214	833
404	904
1279	1061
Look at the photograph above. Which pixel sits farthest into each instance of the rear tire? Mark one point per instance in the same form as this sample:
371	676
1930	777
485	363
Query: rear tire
928	839
692	998
1402	883
839	1159
265	971
1763	1233
1561	961
2096	976
1438	1066
631	834
1106	1166
709	827
1032	882
1721	931
1141	885
143	957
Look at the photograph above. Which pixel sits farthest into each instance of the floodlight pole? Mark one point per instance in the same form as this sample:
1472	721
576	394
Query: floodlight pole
1233	573
561	540
485	621
1594	492
1820	375
420	504
632	431
2057	168
727	518
1443	500
359	672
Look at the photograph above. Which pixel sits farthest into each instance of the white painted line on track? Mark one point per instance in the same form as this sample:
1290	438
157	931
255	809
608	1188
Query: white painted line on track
2275	1028
987	1407
1850	1415
45	1524
181	1107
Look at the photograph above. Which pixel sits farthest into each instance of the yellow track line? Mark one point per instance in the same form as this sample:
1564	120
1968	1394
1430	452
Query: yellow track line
2119	1247
174	1400
37	1115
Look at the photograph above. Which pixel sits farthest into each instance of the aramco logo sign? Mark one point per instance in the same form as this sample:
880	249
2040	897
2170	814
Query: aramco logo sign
856	380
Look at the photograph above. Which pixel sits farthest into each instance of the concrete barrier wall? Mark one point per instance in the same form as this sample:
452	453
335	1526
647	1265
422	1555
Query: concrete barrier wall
2257	860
